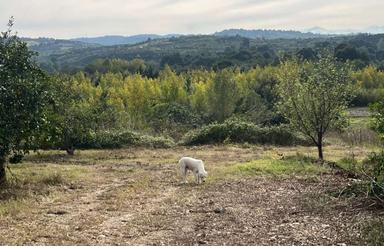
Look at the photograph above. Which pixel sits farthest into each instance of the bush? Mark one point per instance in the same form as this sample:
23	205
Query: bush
114	139
173	119
236	131
16	158
373	168
156	142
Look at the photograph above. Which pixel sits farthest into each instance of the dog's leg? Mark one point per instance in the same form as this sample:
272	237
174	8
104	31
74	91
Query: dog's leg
197	177
183	171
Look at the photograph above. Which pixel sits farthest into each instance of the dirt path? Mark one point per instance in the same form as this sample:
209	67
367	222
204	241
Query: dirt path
149	207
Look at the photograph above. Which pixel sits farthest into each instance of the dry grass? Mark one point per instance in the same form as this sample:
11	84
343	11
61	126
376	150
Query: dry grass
134	196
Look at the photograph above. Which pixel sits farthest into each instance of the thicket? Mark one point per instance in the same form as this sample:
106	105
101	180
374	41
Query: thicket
236	131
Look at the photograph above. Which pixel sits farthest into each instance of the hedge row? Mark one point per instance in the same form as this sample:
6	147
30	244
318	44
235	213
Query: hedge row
242	132
109	139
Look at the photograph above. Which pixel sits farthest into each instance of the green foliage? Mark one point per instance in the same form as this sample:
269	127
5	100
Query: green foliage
377	110
373	168
171	104
76	109
369	85
277	168
173	119
114	139
125	67
223	95
371	174
314	96
235	131
22	97
208	51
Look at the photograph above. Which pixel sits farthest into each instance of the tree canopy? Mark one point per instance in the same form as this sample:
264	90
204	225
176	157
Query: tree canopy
314	95
22	97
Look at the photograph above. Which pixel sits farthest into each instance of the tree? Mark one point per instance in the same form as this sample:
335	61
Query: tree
313	96
22	98
72	113
223	95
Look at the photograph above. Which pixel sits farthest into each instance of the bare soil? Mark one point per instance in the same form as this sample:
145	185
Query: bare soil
134	197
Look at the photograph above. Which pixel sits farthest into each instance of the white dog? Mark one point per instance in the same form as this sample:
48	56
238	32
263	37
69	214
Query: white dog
196	166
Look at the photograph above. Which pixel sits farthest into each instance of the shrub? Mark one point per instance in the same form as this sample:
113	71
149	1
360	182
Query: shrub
16	158
156	142
173	119
236	131
115	139
373	168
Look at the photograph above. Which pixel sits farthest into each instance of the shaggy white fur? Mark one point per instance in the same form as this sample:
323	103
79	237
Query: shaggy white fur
196	166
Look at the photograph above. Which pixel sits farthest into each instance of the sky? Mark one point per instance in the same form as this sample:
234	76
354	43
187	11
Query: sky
88	18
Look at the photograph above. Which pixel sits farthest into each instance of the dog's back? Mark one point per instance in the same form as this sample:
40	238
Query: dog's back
189	163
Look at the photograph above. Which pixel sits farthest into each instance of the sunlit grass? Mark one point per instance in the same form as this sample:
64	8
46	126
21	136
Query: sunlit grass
26	182
268	167
51	174
13	207
278	167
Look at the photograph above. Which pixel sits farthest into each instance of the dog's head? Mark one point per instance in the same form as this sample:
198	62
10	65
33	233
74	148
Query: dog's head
203	176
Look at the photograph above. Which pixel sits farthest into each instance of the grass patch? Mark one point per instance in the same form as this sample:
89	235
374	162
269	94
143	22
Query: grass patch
28	182
12	207
360	121
372	232
289	166
46	174
278	167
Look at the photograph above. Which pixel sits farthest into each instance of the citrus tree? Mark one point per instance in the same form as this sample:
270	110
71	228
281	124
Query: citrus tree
22	98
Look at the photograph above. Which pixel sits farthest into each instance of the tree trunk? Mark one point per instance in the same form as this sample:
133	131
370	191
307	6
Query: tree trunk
320	149
320	146
3	176
71	150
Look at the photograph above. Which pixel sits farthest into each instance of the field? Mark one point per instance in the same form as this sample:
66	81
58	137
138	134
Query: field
254	196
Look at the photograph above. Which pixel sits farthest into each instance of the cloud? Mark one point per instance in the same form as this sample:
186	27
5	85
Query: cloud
71	18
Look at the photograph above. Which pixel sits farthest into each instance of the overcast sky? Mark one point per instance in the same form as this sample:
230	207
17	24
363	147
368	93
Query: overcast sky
74	18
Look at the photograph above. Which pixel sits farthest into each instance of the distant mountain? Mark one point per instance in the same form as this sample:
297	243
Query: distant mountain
252	34
118	40
236	47
48	46
209	51
318	30
266	34
375	29
323	31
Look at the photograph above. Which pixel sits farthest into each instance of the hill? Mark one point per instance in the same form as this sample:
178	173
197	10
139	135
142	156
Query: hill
209	51
48	46
252	34
265	34
116	40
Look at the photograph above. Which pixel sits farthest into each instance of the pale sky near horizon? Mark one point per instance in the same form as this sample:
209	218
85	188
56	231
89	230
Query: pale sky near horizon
86	18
